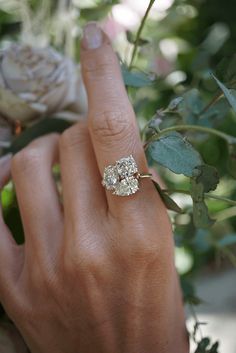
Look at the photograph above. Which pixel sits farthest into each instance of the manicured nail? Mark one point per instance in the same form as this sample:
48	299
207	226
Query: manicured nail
92	37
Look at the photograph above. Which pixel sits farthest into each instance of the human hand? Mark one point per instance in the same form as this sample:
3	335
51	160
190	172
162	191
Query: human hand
98	274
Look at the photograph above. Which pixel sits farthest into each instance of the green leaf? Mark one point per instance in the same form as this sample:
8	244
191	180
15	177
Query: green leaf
202	345
226	69
167	200
205	178
43	127
201	217
173	105
189	293
227	240
214	348
228	94
191	106
208	176
132	39
135	78
215	114
175	153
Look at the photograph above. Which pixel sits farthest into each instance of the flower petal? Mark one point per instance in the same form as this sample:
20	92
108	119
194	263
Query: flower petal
15	108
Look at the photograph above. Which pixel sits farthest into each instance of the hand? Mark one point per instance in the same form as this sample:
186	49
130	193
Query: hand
97	275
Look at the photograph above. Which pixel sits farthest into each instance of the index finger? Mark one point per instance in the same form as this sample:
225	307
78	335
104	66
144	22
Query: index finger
112	121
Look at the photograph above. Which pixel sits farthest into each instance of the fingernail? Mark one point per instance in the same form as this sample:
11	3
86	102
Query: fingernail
92	36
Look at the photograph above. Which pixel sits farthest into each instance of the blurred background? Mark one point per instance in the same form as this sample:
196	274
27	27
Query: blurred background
182	42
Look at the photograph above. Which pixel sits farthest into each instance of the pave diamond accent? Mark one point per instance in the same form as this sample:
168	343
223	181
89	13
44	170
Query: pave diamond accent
110	177
126	167
127	187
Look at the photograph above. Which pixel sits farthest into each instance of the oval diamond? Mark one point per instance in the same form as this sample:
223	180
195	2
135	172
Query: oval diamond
110	177
126	167
126	187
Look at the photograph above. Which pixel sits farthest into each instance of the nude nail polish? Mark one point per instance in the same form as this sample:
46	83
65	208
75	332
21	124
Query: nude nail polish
92	36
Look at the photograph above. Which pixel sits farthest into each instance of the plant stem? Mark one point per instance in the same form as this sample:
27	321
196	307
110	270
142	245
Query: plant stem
214	100
139	32
197	323
211	103
228	138
210	196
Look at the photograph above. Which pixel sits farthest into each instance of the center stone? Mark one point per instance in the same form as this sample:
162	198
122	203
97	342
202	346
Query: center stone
126	167
126	187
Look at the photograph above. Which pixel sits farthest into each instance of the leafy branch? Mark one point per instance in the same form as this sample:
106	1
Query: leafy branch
210	196
228	138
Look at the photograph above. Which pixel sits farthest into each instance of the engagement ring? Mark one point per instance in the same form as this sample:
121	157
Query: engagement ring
122	178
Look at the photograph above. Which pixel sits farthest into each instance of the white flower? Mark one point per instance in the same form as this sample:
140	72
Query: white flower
37	82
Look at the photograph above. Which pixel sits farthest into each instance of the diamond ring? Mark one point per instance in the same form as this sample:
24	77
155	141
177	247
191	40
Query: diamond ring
122	178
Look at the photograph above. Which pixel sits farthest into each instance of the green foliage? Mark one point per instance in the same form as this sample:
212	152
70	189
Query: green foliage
190	125
200	211
205	346
229	94
135	78
175	153
168	201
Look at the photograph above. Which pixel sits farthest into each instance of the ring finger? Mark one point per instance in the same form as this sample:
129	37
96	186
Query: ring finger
112	122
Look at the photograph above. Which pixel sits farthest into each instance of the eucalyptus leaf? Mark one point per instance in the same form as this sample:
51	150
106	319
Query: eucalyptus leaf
173	105
208	176
135	78
191	106
43	127
203	345
201	217
226	69
227	92
214	348
215	114
175	153
167	200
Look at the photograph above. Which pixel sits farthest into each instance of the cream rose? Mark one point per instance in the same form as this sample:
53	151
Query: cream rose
37	82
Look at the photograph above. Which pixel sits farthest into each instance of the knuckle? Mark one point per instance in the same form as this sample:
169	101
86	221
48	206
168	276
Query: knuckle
113	125
98	69
85	262
26	159
141	248
71	137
